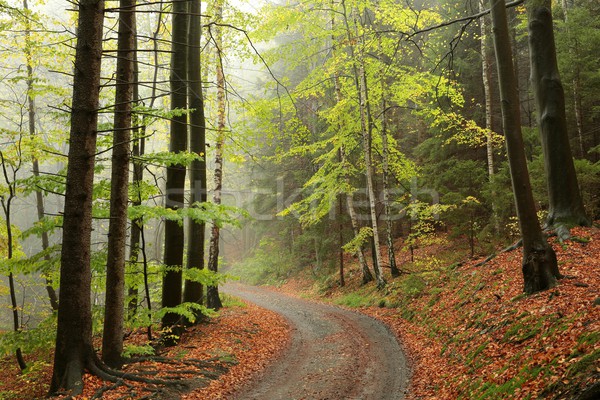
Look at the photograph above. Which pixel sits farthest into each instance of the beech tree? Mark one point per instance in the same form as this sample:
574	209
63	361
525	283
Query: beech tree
112	339
74	351
540	270
174	231
193	291
564	197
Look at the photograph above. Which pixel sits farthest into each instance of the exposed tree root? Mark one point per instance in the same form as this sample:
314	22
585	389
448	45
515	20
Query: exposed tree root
159	384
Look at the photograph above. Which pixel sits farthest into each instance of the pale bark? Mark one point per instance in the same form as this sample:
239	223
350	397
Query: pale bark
366	273
212	292
366	122
486	76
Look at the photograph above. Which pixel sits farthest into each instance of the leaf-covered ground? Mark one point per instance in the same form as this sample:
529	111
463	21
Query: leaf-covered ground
210	362
468	329
472	334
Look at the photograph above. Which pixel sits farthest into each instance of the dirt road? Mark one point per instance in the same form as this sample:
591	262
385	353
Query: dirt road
335	354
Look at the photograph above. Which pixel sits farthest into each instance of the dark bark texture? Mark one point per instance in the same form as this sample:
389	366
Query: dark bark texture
74	350
565	202
193	291
112	339
174	234
540	270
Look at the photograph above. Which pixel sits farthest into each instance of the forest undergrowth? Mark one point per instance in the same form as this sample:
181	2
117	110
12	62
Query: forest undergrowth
211	360
469	330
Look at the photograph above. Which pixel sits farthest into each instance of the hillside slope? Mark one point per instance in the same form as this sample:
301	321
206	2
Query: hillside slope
471	332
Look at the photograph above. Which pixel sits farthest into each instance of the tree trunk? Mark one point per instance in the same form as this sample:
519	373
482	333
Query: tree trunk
565	202
137	149
212	292
389	220
486	77
74	349
366	273
6	202
195	251
366	122
577	101
540	269
174	235
341	241
112	338
35	164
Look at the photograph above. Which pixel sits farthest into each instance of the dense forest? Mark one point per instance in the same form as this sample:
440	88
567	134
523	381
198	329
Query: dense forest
152	151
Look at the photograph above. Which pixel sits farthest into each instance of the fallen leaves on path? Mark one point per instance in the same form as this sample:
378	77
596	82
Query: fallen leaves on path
471	333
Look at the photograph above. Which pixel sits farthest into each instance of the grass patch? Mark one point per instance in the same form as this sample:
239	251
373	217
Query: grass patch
231	301
354	300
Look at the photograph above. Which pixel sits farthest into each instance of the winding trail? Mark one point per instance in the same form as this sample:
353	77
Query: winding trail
334	354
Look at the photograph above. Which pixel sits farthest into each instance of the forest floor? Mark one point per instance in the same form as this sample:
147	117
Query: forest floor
469	332
211	361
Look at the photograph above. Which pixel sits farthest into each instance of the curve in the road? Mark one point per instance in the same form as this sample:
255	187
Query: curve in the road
334	354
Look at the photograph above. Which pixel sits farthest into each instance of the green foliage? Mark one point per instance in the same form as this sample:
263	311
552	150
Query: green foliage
187	310
28	340
353	246
167	158
131	350
199	212
267	265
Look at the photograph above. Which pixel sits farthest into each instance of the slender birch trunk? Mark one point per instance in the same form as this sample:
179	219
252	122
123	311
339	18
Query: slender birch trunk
212	292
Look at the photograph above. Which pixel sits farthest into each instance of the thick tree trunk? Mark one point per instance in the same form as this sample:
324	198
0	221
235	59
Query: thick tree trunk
565	202
74	349
193	291
212	292
112	338
174	235
540	269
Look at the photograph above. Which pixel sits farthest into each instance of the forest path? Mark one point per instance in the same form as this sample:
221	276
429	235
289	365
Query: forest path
334	353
